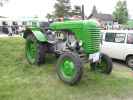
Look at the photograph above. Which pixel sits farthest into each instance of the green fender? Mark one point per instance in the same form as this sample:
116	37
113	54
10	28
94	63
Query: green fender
40	36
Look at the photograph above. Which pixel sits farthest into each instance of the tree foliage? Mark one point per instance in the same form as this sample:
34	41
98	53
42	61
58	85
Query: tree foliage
62	8
121	13
76	10
2	2
49	16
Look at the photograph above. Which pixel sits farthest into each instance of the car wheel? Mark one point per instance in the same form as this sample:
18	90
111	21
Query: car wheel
129	61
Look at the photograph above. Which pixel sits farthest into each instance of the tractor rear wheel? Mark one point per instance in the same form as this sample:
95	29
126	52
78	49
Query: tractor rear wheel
69	68
104	66
34	50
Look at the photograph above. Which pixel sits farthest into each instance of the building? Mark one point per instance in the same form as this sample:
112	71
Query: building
106	20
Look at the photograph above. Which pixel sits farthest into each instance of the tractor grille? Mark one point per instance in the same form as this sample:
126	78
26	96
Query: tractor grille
93	40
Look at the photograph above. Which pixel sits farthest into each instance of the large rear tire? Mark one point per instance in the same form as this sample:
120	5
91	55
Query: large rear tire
105	65
34	50
69	68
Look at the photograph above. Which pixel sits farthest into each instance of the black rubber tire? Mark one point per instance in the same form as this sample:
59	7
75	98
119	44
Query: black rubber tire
41	50
128	60
57	55
78	65
109	67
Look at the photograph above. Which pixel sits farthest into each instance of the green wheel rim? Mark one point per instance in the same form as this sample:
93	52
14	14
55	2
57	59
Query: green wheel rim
31	51
102	66
67	68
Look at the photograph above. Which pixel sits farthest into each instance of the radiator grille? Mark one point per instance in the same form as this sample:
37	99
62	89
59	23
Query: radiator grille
93	40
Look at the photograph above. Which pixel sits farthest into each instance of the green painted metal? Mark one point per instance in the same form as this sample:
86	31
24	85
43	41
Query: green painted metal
84	30
40	36
102	65
67	68
31	51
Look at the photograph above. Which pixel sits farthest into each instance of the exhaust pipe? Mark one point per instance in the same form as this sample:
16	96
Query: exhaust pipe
82	12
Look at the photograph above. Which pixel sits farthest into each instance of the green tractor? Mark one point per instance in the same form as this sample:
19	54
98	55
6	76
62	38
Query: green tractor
73	43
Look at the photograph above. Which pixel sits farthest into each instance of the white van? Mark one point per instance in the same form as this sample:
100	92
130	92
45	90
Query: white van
118	44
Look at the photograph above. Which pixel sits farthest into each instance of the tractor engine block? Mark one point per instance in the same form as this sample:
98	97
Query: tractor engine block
62	40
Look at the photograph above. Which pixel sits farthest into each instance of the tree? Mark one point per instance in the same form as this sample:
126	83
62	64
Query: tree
2	2
49	16
121	13
76	11
62	8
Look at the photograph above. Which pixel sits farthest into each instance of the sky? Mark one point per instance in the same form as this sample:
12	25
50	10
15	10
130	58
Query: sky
30	8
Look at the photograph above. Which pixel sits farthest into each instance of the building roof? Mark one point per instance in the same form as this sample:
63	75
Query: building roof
2	17
94	10
101	16
104	17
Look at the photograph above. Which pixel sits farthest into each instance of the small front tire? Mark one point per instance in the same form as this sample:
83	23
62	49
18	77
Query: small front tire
105	65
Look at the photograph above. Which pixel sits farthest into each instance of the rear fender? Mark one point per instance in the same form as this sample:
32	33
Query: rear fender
40	36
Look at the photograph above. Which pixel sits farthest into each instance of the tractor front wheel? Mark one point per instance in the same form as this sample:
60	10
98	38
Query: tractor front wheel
69	68
34	50
104	66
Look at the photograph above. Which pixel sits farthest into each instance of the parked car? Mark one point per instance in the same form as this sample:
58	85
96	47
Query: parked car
118	44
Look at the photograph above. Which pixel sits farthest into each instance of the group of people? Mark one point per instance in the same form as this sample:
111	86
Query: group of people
10	29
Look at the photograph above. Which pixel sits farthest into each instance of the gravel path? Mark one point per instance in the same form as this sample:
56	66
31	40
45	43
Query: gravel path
119	63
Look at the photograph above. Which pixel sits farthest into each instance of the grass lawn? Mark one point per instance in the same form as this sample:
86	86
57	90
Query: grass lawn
22	81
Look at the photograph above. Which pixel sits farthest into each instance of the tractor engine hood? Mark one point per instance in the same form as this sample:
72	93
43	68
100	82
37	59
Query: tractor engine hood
86	31
70	25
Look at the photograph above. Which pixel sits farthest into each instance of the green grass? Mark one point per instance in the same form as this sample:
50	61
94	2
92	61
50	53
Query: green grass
22	81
